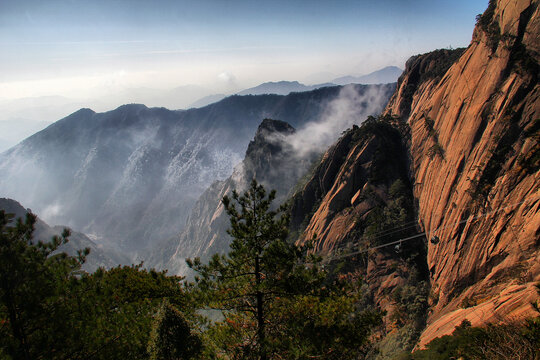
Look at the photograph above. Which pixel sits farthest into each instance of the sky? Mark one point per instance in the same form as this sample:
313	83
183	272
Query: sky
99	53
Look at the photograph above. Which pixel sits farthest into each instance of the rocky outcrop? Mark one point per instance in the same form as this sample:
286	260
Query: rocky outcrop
270	158
355	208
475	160
366	159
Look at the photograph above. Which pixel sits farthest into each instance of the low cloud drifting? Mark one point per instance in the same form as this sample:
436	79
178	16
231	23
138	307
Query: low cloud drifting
353	105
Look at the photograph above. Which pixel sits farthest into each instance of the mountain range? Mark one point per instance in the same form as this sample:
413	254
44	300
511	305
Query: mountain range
385	75
130	176
283	88
21	118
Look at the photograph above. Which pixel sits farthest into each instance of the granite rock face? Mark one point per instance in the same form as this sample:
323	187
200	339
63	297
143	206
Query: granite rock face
358	200
469	150
475	160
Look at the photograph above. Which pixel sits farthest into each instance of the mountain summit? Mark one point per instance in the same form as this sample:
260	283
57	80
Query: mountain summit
281	88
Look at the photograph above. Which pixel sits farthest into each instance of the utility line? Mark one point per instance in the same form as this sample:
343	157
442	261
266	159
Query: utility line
396	242
474	309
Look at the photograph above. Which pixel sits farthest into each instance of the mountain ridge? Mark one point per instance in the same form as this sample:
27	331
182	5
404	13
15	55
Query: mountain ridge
282	88
387	74
130	167
98	256
271	159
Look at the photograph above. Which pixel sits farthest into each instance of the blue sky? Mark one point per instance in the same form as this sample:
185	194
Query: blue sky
85	48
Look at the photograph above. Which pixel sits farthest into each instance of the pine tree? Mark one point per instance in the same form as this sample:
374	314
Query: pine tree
171	337
50	309
32	277
275	298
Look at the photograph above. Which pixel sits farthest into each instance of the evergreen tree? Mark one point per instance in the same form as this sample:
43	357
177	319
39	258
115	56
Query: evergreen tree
50	309
171	337
275	299
32	279
113	310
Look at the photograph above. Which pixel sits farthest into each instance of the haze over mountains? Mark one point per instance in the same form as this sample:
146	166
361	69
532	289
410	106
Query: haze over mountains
434	203
23	117
423	195
272	159
98	257
385	75
129	177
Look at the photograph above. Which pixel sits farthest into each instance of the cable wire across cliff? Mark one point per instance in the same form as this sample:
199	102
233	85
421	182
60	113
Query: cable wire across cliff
385	233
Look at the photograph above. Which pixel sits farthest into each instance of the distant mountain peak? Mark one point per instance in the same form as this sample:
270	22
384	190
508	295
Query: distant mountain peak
388	74
86	110
281	88
131	107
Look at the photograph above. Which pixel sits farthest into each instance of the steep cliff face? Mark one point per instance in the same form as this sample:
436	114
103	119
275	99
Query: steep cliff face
355	207
469	130
475	160
367	159
271	159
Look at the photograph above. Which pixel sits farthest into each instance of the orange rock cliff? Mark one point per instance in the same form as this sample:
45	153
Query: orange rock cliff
470	156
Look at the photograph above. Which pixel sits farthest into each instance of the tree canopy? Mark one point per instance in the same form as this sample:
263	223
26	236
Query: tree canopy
50	309
272	299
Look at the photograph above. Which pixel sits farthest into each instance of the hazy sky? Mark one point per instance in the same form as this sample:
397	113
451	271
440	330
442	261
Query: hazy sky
91	47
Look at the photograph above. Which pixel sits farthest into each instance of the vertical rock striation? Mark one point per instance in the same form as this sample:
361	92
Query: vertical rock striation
470	152
475	160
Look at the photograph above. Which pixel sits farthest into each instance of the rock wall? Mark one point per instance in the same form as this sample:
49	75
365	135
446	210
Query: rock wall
358	200
475	160
470	128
